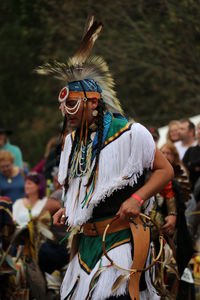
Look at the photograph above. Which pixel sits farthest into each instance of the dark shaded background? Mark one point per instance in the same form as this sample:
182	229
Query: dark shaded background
152	48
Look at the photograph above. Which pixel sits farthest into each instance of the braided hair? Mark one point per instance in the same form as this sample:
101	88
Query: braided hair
100	108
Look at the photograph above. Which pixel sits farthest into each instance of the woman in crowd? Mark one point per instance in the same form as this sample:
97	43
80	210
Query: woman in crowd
35	200
52	256
172	134
11	177
171	153
180	174
181	192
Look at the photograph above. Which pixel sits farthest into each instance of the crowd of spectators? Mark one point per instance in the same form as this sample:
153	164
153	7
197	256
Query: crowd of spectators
38	190
179	202
182	149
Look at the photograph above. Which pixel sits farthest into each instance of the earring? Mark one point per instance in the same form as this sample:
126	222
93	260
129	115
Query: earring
95	113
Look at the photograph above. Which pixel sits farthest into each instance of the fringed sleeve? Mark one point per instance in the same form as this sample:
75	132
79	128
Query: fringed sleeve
141	153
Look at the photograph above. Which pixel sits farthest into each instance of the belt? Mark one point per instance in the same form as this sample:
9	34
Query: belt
98	228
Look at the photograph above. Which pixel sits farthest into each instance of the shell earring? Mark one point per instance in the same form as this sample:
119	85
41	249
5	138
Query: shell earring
95	113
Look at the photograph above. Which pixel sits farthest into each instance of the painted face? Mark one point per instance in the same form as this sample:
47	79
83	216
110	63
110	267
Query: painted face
6	167
168	154
74	112
31	187
174	132
75	118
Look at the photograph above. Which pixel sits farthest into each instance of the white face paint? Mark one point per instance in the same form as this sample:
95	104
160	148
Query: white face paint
72	110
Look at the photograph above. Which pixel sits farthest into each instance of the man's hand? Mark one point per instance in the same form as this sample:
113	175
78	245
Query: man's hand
59	217
129	208
170	224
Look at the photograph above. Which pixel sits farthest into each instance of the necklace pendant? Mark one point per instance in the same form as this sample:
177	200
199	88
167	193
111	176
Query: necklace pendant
9	180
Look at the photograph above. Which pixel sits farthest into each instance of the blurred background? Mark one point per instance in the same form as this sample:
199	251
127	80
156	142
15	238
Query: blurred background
152	48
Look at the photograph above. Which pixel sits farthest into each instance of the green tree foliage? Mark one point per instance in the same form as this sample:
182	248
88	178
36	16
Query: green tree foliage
152	48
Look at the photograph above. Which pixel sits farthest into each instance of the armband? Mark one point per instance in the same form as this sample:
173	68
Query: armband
138	198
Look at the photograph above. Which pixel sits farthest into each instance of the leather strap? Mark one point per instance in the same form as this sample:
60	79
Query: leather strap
141	241
98	228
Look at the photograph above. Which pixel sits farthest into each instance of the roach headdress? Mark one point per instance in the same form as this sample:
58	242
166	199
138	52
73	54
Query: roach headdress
82	67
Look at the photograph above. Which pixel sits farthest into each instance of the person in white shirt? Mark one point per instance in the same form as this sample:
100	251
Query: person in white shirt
187	137
35	201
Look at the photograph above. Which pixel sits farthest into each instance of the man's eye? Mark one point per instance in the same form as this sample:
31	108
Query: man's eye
71	104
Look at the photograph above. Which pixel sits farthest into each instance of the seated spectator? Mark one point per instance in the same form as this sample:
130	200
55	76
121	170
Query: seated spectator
52	256
191	160
11	177
5	145
173	131
35	200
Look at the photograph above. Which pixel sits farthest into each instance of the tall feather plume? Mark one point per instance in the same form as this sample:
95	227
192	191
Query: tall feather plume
93	29
88	24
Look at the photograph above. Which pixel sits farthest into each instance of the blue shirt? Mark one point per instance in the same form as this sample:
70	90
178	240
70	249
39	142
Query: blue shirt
16	152
12	187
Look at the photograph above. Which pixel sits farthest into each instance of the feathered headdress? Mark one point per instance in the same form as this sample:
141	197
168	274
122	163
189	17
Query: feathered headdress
81	67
